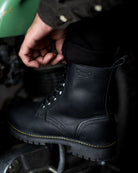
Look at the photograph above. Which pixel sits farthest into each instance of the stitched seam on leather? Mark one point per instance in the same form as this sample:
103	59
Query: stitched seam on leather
53	123
88	122
62	138
39	112
107	90
56	121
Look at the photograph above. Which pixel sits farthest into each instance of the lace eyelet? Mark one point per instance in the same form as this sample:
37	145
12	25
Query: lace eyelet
44	107
55	99
60	92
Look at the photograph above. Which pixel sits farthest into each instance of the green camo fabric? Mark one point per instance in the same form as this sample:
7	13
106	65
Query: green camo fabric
16	16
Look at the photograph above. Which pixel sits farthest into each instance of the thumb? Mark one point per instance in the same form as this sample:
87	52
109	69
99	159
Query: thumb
59	45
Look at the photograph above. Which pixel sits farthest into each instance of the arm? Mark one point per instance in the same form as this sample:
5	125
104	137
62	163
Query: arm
54	15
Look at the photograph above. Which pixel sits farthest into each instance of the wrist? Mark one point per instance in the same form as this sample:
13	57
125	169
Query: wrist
39	29
45	27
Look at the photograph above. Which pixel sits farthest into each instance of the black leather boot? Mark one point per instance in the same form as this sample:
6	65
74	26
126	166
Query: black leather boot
77	115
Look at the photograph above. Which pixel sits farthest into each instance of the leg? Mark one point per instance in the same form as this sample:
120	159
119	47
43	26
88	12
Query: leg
79	112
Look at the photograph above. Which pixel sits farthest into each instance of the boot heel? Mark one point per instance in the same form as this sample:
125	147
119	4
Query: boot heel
93	154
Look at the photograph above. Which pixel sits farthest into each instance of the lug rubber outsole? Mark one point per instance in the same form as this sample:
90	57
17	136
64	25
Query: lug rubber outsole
75	147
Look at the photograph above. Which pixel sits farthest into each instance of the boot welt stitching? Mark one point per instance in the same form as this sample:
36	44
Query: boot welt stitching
62	138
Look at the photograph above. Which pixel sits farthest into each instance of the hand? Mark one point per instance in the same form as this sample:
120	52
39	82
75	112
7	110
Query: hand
36	48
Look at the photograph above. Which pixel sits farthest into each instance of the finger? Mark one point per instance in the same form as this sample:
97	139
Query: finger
33	64
26	58
34	54
30	63
46	59
56	60
44	52
59	45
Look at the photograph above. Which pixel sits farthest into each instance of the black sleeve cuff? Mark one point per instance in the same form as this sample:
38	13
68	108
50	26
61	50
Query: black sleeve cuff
54	15
59	15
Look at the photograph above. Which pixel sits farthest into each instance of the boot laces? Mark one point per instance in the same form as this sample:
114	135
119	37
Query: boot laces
53	97
56	93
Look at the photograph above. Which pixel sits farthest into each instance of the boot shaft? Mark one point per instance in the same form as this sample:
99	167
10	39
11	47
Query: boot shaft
89	87
87	91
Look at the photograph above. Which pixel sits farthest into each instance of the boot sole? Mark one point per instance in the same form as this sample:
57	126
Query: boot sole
75	147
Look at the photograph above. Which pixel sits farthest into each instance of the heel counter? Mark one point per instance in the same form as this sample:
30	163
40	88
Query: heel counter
99	131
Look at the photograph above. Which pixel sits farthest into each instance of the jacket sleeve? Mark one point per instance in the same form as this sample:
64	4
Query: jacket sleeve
60	13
